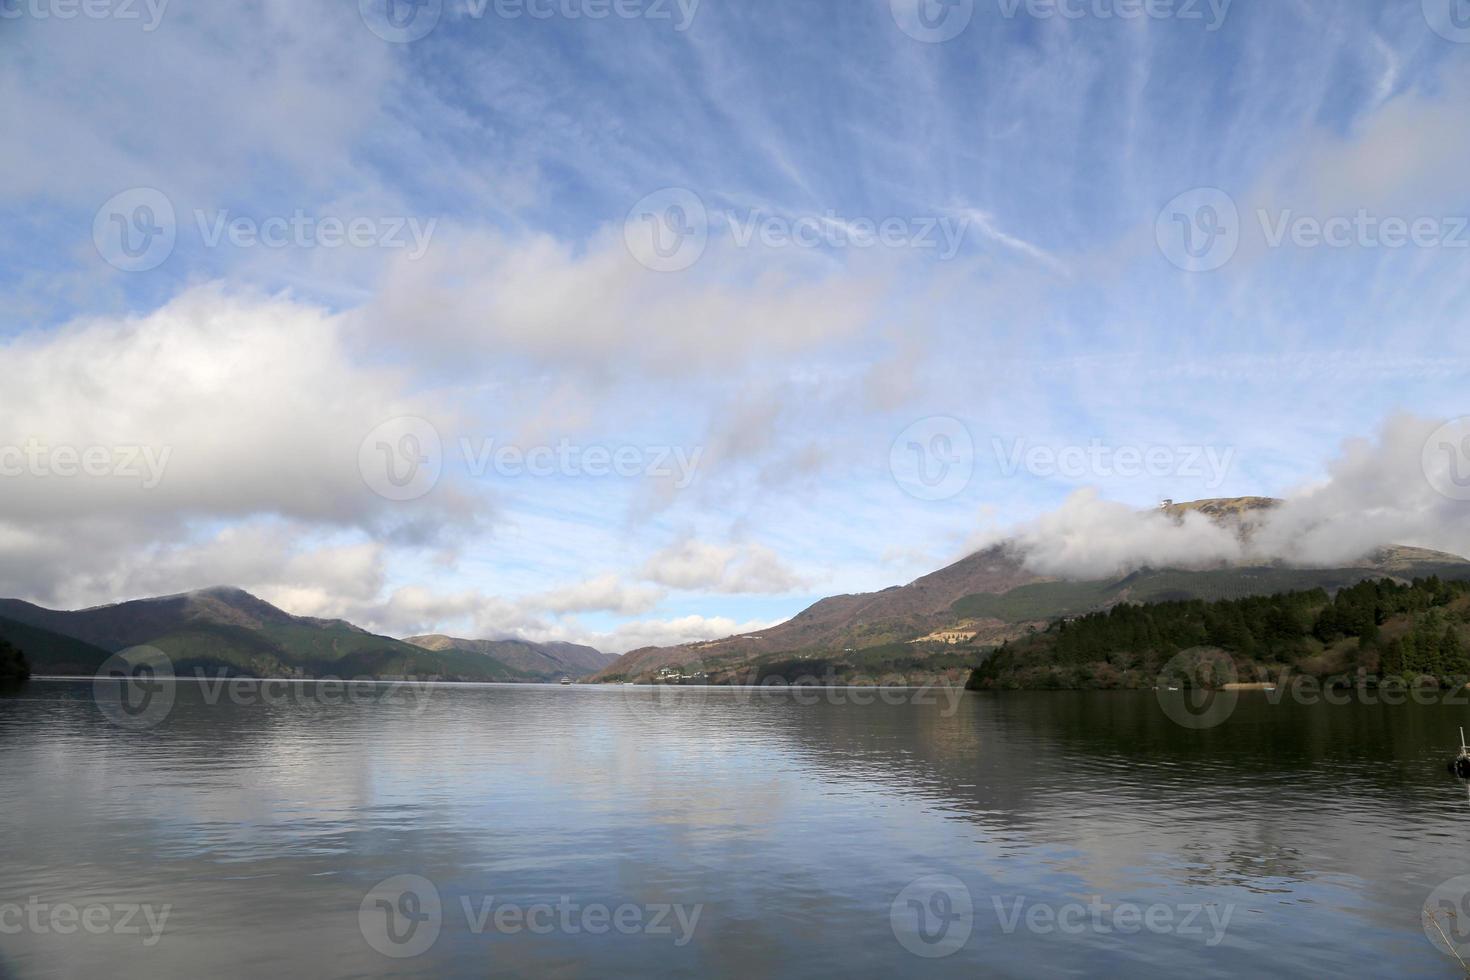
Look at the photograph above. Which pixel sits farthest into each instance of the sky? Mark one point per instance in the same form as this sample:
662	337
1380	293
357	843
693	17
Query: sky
648	321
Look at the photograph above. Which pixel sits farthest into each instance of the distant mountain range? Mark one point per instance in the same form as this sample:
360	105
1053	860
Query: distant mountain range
937	624
991	596
549	661
230	630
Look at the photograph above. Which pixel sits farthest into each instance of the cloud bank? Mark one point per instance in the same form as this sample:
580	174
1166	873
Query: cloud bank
1406	486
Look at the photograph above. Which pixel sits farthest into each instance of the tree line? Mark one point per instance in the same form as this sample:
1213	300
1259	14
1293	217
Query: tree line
13	663
1385	626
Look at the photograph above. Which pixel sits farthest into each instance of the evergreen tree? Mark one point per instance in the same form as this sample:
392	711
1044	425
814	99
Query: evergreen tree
1427	638
1393	659
1452	657
13	663
1409	659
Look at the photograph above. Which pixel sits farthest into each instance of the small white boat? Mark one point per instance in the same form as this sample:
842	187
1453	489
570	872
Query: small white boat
1461	766
566	680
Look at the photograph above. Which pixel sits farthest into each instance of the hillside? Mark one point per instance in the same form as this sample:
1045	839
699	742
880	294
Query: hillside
228	630
990	597
52	653
846	622
1377	629
537	661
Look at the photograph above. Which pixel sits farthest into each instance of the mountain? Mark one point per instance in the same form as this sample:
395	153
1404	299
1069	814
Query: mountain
229	630
991	597
541	661
847	622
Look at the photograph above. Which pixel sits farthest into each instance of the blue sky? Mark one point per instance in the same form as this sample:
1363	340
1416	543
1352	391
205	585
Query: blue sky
508	175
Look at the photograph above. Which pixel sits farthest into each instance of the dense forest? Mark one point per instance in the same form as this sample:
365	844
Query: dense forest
1375	629
13	664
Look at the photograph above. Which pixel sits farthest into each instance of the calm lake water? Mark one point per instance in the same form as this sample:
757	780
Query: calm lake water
583	831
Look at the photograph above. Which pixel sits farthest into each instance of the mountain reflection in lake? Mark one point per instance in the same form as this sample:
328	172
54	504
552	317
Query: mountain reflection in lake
586	831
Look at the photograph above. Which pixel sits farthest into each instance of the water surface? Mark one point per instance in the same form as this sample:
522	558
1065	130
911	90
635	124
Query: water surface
1313	833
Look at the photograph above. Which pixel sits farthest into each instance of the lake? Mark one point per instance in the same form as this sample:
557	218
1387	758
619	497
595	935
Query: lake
307	830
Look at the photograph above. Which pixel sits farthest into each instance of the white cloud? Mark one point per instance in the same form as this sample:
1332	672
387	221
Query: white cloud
1377	493
606	593
222	418
732	569
542	300
250	402
1092	538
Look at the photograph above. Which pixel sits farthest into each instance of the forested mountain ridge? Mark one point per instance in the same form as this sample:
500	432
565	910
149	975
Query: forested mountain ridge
1376	629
